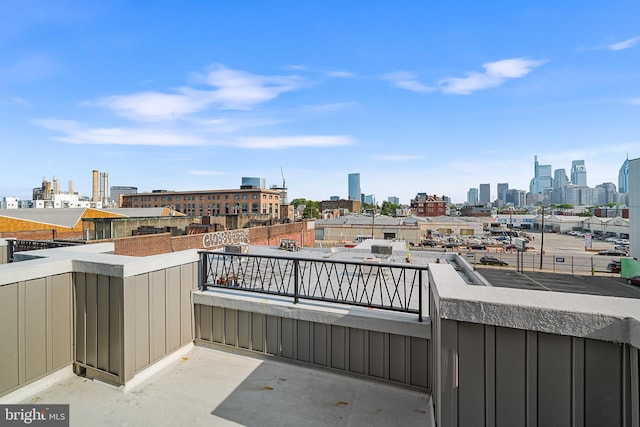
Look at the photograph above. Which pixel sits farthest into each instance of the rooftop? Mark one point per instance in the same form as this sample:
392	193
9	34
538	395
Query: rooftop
206	386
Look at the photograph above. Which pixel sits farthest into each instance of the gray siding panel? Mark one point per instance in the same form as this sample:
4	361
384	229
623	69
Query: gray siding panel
376	354
61	321
9	332
157	314
35	328
357	351
397	358
510	379
81	317
471	365
338	347
258	332
554	380
173	317
230	327
116	337
217	325
103	323
244	329
320	344
91	305
141	325
419	362
603	386
288	335
304	340
273	336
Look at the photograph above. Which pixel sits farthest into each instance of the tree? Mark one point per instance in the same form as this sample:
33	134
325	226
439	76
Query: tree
311	208
388	208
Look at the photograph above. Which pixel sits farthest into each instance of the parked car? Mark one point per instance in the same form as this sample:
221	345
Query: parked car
490	260
635	280
429	242
478	246
612	252
614	266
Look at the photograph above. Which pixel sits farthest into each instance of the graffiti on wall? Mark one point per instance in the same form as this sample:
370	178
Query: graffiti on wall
221	238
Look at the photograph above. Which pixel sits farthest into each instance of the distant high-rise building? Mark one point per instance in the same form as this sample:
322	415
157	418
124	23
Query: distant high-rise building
623	177
394	200
472	196
502	187
251	182
560	182
334	198
610	193
485	193
579	173
542	179
370	199
354	186
516	197
118	190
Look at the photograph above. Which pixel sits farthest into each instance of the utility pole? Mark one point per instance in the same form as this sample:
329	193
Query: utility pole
542	239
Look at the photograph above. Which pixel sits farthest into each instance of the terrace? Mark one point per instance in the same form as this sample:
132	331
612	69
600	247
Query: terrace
315	336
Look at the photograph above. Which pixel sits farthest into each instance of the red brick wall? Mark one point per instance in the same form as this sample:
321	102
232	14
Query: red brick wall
164	243
152	244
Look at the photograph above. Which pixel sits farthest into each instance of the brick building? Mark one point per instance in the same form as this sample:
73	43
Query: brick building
210	202
352	206
427	205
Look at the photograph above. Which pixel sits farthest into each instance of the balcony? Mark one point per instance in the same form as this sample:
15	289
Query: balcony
314	336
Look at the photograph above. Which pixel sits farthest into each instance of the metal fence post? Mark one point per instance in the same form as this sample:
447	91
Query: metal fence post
420	297
203	271
296	266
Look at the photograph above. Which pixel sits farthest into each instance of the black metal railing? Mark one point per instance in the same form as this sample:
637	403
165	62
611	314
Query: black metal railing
19	245
395	287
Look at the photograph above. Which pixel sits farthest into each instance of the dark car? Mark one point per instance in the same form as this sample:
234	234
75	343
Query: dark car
478	247
490	260
614	266
429	242
612	252
635	280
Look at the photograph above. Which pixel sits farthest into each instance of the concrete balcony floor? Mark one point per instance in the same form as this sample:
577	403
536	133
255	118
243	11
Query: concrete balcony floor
206	386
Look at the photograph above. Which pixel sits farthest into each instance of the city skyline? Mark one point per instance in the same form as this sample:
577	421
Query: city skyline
414	97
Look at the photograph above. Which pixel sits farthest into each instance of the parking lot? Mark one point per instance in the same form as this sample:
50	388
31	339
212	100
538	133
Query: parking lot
560	253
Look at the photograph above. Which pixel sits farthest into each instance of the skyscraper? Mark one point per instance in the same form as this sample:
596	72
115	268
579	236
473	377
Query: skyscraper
485	193
502	187
623	177
542	179
579	173
560	182
354	186
472	196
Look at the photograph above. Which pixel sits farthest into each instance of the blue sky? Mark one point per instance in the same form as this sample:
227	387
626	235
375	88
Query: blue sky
416	96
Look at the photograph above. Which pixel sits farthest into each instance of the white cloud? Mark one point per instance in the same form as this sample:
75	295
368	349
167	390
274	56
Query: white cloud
635	101
407	80
233	90
74	133
398	157
339	74
20	101
625	44
278	142
494	75
336	106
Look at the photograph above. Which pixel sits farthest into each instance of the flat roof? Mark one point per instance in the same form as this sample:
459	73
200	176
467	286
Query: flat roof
556	282
207	386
